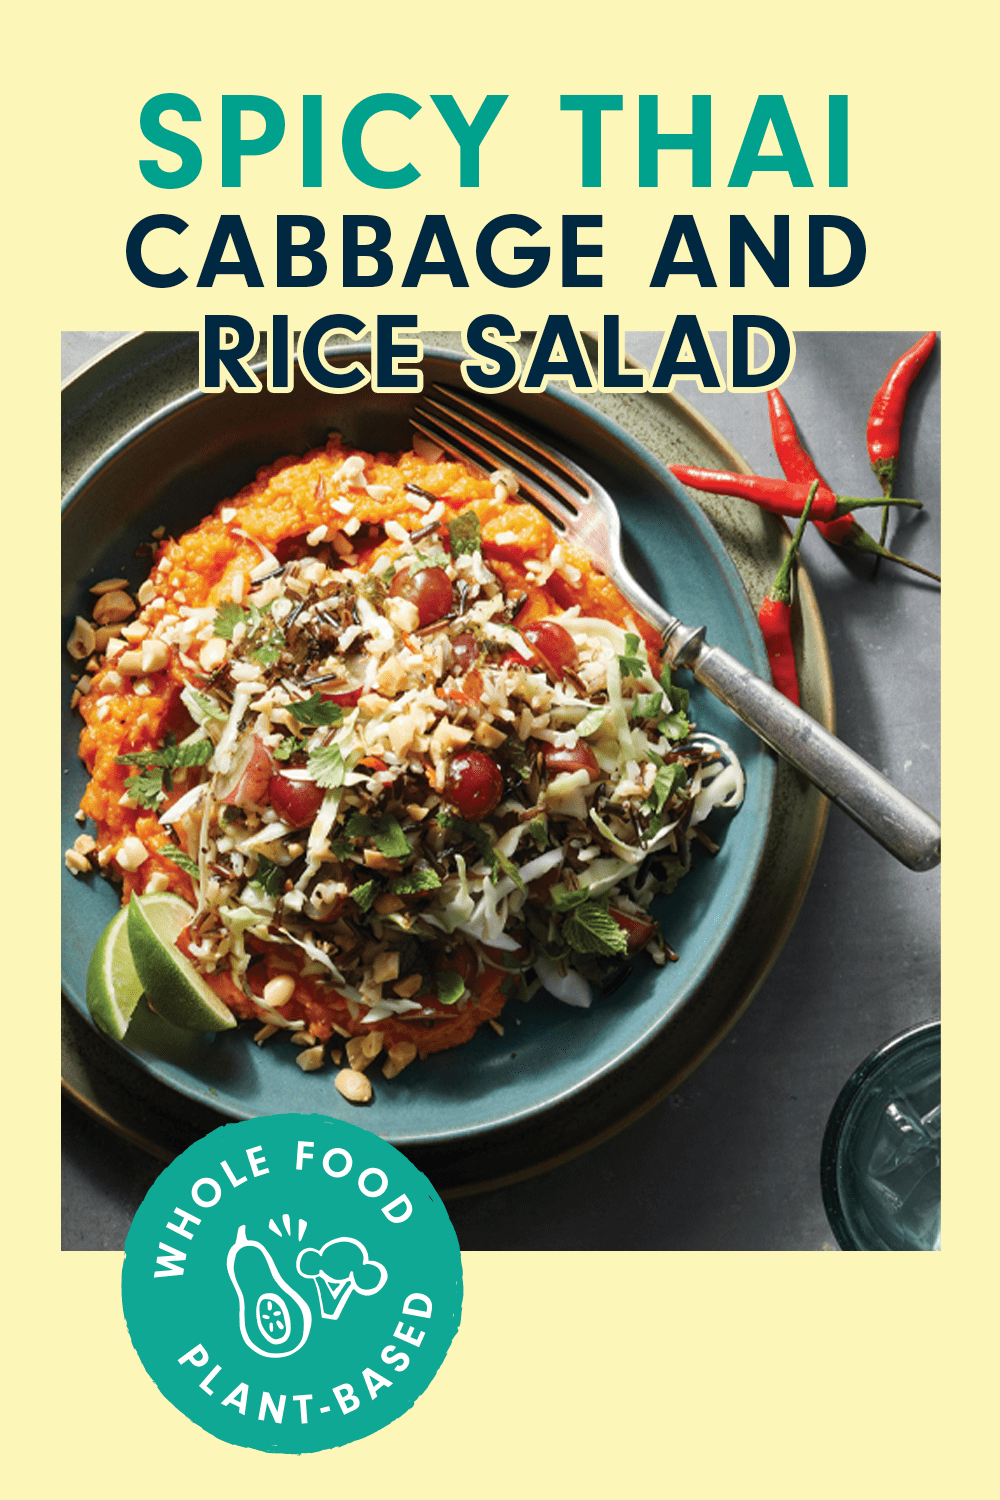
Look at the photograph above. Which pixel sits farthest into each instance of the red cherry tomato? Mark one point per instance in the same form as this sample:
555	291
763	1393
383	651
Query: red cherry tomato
552	642
474	784
464	653
295	802
580	758
637	930
345	700
430	590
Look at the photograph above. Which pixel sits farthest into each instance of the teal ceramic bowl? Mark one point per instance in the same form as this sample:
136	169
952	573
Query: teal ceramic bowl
552	1062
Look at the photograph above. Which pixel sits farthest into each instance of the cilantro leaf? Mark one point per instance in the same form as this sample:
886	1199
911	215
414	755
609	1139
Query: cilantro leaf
590	928
269	877
267	653
464	533
450	987
181	860
227	617
632	664
287	748
326	767
413	882
146	786
316	710
364	895
389	837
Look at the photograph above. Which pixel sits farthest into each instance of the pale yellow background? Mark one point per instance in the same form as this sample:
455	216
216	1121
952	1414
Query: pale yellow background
577	1374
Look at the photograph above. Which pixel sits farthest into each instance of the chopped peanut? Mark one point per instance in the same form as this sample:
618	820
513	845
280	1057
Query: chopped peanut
354	1086
112	608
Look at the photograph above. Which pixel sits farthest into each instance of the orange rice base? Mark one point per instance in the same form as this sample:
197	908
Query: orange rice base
213	563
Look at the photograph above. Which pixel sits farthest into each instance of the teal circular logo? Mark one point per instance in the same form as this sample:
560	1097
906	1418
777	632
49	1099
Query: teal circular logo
292	1283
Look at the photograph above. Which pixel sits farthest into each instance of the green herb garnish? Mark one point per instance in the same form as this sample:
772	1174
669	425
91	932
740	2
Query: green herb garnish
363	895
590	928
316	711
156	767
269	877
326	767
413	882
388	836
464	534
631	664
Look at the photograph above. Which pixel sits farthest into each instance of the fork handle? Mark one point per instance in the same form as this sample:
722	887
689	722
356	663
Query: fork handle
899	825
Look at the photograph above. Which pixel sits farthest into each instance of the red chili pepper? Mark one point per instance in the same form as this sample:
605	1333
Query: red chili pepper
775	613
797	465
781	496
885	420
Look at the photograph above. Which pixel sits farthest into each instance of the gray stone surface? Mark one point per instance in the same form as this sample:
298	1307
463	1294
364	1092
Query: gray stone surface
731	1160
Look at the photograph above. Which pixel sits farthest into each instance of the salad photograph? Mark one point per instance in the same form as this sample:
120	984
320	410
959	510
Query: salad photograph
372	752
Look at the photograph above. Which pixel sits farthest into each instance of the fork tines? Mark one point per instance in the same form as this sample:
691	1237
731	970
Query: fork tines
449	421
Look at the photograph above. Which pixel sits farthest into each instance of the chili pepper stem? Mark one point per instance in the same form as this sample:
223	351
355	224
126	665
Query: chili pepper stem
854	502
885	472
781	588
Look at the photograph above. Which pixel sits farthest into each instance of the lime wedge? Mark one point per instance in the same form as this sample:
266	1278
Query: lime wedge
175	989
113	987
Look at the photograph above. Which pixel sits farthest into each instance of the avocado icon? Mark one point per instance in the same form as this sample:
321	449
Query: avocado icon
274	1320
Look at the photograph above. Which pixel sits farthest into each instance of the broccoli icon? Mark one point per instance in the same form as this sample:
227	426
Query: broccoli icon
339	1268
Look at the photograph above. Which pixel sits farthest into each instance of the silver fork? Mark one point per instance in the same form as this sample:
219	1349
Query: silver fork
577	505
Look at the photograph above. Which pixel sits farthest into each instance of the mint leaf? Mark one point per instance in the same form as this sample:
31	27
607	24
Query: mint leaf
364	894
450	987
389	837
227	617
564	899
465	534
315	711
510	870
269	877
181	860
435	558
679	697
326	767
590	928
413	882
208	706
668	780
538	830
196	753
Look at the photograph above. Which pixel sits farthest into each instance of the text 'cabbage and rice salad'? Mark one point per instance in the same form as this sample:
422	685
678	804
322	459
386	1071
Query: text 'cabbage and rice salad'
405	751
